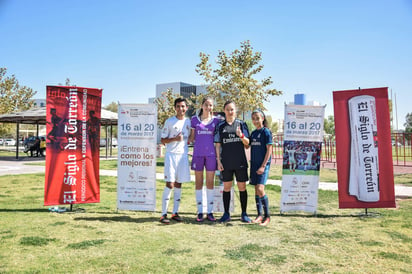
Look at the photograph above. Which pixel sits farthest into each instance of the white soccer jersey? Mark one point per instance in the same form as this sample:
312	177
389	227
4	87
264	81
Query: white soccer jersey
172	128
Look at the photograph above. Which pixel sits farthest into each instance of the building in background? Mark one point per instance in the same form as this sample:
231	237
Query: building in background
183	89
38	103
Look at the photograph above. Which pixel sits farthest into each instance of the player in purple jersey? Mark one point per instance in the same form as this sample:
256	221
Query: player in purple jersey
231	139
204	156
260	152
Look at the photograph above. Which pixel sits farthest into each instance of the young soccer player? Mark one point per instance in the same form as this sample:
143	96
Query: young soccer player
175	135
261	153
231	139
204	156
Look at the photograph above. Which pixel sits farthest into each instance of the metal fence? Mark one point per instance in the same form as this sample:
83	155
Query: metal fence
401	149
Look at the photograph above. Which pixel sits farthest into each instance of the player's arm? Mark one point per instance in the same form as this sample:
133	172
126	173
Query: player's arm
219	163
177	138
191	136
269	149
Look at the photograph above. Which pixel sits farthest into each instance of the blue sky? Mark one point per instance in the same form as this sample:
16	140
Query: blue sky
127	47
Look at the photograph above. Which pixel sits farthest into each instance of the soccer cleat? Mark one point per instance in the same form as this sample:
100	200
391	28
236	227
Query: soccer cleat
245	218
225	218
199	217
164	219
258	219
265	221
210	217
176	217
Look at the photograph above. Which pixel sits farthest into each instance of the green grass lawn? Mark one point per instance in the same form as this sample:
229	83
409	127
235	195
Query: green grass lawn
101	239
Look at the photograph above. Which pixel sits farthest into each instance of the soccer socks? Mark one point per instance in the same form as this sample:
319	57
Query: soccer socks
199	199
210	193
226	201
243	200
165	200
265	203
258	205
177	195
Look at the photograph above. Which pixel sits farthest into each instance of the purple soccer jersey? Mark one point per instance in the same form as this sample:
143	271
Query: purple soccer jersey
204	145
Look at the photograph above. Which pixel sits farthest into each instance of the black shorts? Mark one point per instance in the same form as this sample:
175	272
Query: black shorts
241	175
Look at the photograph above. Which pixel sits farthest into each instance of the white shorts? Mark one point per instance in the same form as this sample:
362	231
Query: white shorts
177	168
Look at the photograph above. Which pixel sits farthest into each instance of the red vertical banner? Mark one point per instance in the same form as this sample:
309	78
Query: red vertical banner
363	148
72	150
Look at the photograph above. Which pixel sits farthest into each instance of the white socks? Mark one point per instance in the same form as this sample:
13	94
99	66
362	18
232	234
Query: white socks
210	194
210	199
199	200
177	195
165	200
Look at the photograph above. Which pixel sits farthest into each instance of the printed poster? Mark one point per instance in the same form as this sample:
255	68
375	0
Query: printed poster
72	145
136	168
303	136
363	148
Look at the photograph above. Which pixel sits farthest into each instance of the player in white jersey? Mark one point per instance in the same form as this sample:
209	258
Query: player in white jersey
309	156
292	160
175	135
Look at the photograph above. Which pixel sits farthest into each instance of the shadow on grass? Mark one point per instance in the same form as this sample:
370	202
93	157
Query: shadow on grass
321	216
128	219
24	210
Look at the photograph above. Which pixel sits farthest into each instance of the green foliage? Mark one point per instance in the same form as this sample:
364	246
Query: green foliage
408	123
165	105
113	107
250	125
235	78
329	125
13	97
273	126
165	108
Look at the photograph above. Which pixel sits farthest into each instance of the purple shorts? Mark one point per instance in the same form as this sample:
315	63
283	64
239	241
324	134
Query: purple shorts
201	162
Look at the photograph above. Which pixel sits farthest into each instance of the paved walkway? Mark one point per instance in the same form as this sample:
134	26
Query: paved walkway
22	167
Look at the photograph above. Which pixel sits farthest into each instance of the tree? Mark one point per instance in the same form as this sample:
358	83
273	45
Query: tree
234	78
165	105
13	97
408	123
329	125
66	83
273	126
113	107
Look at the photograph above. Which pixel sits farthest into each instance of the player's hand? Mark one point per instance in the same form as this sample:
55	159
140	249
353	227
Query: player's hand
220	166
238	131
179	137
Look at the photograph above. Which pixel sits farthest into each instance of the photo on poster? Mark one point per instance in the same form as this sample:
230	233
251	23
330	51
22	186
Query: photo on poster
301	157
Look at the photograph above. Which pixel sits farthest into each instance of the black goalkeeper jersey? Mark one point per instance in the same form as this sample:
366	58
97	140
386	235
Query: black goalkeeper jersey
233	151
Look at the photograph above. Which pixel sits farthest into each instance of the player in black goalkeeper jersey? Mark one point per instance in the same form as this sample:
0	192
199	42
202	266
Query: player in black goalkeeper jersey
231	139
